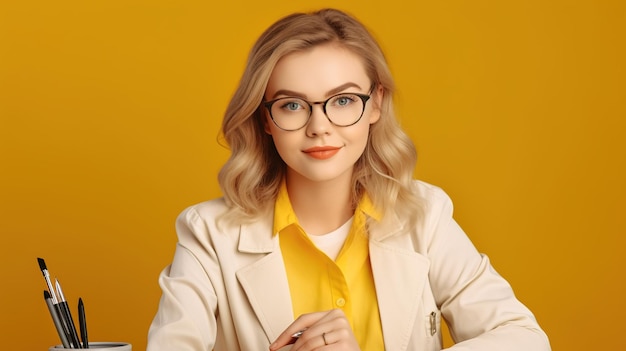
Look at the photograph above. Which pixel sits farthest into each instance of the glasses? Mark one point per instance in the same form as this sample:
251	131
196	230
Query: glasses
292	113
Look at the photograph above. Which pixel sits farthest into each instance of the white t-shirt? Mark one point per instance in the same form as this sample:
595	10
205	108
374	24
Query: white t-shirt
331	243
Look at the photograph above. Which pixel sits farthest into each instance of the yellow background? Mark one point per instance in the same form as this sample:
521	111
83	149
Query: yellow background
109	116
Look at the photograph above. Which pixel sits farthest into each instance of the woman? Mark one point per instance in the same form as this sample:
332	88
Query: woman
323	240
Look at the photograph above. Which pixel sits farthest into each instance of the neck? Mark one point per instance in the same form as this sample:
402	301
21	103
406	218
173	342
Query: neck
321	207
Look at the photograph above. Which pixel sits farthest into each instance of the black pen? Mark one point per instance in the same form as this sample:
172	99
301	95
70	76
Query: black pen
55	318
66	314
82	323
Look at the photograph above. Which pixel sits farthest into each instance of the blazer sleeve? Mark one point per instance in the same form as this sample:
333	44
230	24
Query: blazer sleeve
185	319
478	305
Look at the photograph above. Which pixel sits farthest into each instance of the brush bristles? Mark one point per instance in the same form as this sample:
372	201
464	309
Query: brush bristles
42	263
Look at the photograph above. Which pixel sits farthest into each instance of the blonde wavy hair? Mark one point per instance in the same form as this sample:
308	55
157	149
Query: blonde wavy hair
252	176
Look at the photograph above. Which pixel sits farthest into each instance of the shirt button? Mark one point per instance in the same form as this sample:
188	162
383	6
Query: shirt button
340	302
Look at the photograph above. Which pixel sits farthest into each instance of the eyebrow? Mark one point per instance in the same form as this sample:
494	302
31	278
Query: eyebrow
333	91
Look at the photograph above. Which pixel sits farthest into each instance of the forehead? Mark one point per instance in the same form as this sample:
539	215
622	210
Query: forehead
314	72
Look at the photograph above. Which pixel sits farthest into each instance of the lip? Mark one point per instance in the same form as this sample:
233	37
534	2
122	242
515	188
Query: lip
322	152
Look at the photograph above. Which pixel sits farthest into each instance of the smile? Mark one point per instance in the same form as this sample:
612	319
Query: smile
322	152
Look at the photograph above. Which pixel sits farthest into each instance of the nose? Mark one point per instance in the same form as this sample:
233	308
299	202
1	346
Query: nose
318	124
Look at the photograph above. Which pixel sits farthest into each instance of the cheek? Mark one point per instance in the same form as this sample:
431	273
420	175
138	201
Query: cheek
361	134
267	124
282	141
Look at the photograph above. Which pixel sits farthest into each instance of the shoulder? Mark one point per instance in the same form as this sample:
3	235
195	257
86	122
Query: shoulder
206	210
436	211
200	221
432	197
432	207
429	191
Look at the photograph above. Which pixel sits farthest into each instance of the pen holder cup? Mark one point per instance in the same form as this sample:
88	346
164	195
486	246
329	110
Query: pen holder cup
101	346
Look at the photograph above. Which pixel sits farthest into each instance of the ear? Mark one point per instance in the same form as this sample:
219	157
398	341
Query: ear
377	100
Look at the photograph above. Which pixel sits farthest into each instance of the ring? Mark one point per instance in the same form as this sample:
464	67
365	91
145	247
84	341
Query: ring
324	338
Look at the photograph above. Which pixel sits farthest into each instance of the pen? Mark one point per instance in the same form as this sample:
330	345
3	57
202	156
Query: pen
55	318
66	314
295	336
83	323
433	323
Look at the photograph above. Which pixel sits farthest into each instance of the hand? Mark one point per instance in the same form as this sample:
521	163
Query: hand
328	330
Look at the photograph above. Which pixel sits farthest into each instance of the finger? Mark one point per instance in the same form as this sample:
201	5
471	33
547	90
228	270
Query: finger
298	326
332	328
295	336
326	338
313	342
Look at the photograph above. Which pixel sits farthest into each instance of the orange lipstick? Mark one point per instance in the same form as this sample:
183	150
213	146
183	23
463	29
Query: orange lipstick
322	152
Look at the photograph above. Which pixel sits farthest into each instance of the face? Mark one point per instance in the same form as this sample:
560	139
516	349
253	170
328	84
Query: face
321	151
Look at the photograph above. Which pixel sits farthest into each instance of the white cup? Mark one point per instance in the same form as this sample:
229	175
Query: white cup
101	346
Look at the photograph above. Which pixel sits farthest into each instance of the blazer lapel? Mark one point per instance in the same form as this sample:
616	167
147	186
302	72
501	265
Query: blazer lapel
265	280
399	276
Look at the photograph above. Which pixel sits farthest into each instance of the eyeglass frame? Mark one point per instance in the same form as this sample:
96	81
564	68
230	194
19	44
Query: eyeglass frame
364	98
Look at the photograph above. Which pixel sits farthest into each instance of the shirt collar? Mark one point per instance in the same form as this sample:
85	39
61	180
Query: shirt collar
285	216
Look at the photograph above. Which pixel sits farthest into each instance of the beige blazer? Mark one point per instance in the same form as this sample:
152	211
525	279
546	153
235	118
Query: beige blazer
227	289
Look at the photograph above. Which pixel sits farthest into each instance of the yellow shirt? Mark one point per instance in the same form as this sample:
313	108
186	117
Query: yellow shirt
318	283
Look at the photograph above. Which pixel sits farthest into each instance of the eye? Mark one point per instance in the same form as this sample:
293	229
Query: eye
291	105
343	100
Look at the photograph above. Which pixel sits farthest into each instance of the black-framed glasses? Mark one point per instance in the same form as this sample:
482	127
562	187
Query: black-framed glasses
293	113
